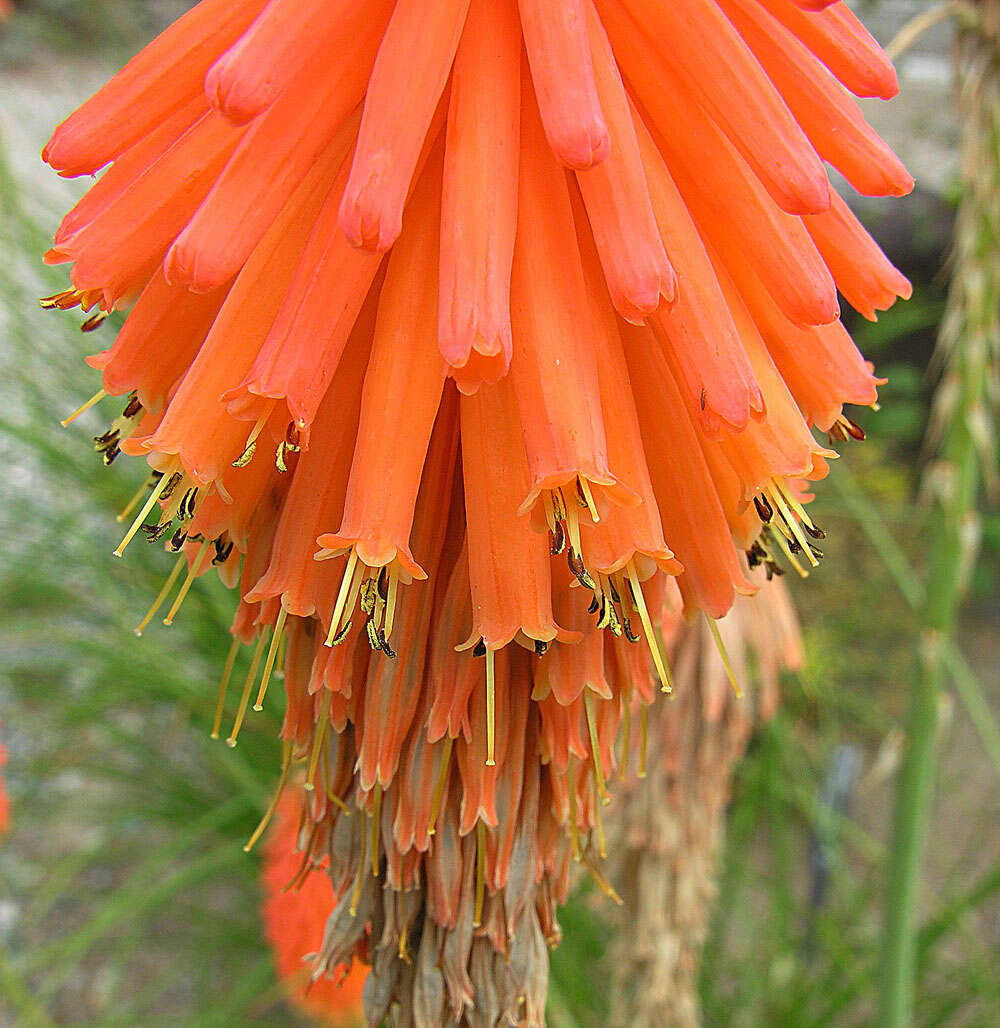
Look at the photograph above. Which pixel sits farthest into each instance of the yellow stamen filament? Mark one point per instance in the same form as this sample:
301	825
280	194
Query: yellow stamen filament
588	498
273	805
573	834
626	740
723	653
279	630
550	515
84	407
162	595
403	934
227	673
491	710
595	749
247	685
599	822
390	600
643	739
793	525
319	738
782	487
356	894
573	527
376	825
662	667
442	779
345	588
789	556
146	508
132	504
251	444
186	586
602	883
477	916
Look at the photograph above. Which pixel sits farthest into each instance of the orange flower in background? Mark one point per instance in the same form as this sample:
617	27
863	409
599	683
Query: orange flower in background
469	357
298	898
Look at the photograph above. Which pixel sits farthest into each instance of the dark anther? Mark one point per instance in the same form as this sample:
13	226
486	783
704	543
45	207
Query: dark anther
384	645
816	551
557	539
223	548
614	592
383	582
342	634
102	442
111	453
854	430
771	570
575	562
793	545
580	498
175	479
154	533
629	634
607	612
764	509
186	508
133	408
94	321
594	607
373	640
541	647
813	531
703	399
479	650
178	540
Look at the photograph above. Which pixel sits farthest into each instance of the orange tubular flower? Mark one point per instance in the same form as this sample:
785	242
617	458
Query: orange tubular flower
511	304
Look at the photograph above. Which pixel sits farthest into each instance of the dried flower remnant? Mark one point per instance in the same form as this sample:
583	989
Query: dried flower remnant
464	405
298	899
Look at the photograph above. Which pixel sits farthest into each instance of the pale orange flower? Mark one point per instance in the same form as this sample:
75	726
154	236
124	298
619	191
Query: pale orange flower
470	356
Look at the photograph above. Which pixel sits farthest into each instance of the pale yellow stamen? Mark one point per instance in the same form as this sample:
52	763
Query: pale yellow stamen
573	833
588	498
319	738
279	629
132	504
599	801
723	653
491	709
146	508
84	407
595	749
793	525
602	883
241	713
662	667
345	588
273	805
162	595
390	600
186	586
789	556
227	673
442	780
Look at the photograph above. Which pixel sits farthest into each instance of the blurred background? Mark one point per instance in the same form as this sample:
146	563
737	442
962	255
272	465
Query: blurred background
125	894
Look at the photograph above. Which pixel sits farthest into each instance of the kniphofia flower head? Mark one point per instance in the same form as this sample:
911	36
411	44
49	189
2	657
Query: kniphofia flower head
469	357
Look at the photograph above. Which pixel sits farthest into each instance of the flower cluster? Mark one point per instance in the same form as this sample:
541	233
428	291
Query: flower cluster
471	339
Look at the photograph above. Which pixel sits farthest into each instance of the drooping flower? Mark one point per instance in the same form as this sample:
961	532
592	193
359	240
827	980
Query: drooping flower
298	898
466	356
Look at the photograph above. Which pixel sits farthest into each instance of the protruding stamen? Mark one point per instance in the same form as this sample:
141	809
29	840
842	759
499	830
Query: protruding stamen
595	749
376	825
133	503
251	444
188	582
574	836
588	499
319	737
662	667
602	883
95	321
279	629
147	507
345	588
175	572
723	653
227	673
83	408
439	785
390	600
241	713
491	709
477	915
794	525
273	805
643	738
599	801
789	556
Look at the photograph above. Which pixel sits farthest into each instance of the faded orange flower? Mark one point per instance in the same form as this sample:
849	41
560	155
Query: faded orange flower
466	355
298	899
